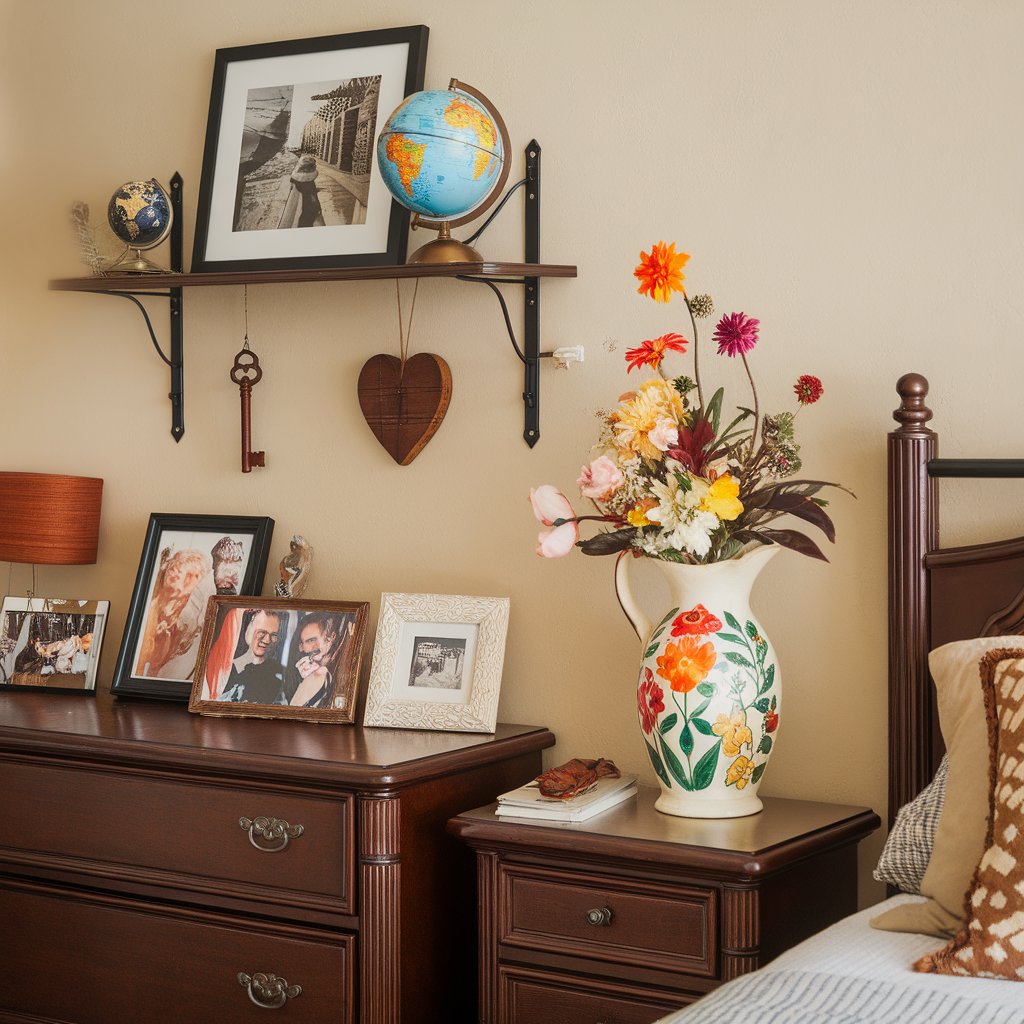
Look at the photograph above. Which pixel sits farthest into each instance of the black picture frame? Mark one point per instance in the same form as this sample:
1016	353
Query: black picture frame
252	202
168	605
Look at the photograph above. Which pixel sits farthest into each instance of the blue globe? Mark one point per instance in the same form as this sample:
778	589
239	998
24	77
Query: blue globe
440	153
139	213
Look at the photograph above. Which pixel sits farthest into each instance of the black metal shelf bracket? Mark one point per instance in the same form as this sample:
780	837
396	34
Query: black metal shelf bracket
175	360
529	353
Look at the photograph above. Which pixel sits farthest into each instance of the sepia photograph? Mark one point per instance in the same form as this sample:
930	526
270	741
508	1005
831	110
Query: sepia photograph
290	145
51	643
186	561
280	658
438	661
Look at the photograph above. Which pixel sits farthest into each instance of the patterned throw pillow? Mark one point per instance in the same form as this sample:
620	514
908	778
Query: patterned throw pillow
992	943
908	848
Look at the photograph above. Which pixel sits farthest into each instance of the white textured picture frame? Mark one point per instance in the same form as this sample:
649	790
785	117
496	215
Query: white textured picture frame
437	662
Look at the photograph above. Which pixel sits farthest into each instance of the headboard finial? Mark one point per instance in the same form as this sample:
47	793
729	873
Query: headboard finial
913	414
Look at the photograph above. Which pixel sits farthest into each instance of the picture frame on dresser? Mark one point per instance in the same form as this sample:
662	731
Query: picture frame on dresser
437	662
280	658
186	559
290	143
51	644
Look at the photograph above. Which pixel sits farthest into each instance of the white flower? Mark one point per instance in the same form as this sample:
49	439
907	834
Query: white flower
694	535
665	434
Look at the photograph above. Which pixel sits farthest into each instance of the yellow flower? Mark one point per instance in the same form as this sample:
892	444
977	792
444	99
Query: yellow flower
637	515
722	498
734	733
739	772
643	411
661	271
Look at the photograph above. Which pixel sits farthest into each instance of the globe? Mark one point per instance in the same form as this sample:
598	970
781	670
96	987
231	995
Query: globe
139	213
442	154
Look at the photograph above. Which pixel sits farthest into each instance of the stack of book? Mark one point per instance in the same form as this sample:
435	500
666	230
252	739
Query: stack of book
528	802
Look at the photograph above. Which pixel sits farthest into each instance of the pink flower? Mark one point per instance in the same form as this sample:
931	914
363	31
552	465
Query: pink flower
601	479
551	506
808	389
736	334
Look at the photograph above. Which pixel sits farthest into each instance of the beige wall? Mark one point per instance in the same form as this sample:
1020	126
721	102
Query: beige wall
848	172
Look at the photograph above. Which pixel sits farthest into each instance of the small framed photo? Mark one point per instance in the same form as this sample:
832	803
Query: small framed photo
51	644
280	658
186	559
289	171
437	662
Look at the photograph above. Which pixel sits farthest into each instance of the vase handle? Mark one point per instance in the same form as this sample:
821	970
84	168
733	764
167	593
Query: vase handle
637	619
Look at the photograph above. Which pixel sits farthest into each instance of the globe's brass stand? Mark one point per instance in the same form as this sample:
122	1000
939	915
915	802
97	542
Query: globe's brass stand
131	261
444	248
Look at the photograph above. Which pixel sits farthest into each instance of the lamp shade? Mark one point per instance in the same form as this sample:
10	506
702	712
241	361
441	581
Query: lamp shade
48	519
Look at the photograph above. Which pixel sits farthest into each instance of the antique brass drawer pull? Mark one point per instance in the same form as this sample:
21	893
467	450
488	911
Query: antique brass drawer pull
268	990
270	835
599	917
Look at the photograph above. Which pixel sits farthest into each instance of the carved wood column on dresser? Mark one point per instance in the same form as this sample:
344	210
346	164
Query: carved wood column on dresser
160	867
634	913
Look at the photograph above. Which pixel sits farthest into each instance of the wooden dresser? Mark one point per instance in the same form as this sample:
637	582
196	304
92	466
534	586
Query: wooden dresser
158	867
631	914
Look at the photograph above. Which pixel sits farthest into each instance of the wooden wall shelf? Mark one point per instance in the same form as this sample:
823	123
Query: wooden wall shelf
171	286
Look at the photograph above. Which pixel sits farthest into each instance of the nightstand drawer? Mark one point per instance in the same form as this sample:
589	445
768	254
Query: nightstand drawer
182	834
664	926
108	959
529	997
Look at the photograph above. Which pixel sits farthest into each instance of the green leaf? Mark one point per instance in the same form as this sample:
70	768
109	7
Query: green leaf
738	659
769	680
674	766
758	772
702	726
700	708
733	621
658	766
713	412
650	650
765	746
704	773
668	724
731	638
686	741
762	705
671	615
707	689
750	629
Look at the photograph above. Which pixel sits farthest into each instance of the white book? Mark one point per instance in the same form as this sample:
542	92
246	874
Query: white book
531	796
567	810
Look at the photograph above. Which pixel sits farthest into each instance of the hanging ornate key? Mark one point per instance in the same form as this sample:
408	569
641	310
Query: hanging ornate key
246	373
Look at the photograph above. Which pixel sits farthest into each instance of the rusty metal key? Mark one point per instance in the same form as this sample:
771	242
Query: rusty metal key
246	373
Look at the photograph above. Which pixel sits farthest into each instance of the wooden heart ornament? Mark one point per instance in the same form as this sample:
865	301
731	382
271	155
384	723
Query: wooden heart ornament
404	405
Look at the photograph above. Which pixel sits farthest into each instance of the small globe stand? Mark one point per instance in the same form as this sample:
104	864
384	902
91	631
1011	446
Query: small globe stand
444	248
158	216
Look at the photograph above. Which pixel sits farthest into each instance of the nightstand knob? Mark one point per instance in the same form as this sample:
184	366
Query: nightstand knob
599	917
268	991
270	835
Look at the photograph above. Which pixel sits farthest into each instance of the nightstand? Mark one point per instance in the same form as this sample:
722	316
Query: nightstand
634	913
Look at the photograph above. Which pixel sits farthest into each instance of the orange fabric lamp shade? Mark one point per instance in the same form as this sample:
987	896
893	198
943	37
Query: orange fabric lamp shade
47	519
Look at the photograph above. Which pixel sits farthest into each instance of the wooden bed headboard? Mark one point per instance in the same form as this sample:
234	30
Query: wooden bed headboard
935	594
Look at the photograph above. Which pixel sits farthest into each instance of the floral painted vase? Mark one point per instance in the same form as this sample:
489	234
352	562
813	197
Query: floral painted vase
708	692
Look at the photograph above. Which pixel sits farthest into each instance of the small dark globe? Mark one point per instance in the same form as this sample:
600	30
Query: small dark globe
139	213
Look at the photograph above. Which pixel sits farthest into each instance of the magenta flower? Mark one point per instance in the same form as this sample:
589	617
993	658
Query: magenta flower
736	334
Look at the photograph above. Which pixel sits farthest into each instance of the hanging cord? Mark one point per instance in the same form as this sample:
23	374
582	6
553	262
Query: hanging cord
245	312
404	335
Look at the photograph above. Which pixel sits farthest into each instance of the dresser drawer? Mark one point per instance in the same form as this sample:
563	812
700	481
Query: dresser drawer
529	997
664	926
94	960
179	833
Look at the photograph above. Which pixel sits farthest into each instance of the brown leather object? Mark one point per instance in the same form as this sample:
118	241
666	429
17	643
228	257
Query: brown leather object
576	776
404	404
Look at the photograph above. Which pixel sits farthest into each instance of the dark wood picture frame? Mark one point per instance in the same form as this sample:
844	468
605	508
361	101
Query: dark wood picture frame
184	620
280	658
251	111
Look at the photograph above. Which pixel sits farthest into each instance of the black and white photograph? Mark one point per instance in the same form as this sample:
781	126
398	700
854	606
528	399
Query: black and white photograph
438	661
186	560
51	643
280	658
290	145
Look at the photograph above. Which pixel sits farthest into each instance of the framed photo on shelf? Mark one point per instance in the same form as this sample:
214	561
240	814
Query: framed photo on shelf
437	662
51	644
280	658
291	144
186	559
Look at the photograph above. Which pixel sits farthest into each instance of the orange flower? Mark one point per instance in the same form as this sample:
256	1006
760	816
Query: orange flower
661	271
651	353
686	663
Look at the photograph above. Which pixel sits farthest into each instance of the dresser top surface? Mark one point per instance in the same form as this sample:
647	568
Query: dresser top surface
103	727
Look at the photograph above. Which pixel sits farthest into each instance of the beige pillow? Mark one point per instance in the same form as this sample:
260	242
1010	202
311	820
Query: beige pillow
960	836
991	942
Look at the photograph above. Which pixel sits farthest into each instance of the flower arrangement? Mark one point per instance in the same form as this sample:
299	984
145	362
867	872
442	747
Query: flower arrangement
673	479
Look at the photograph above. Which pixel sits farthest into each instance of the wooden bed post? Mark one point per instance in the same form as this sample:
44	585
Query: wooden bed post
913	532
